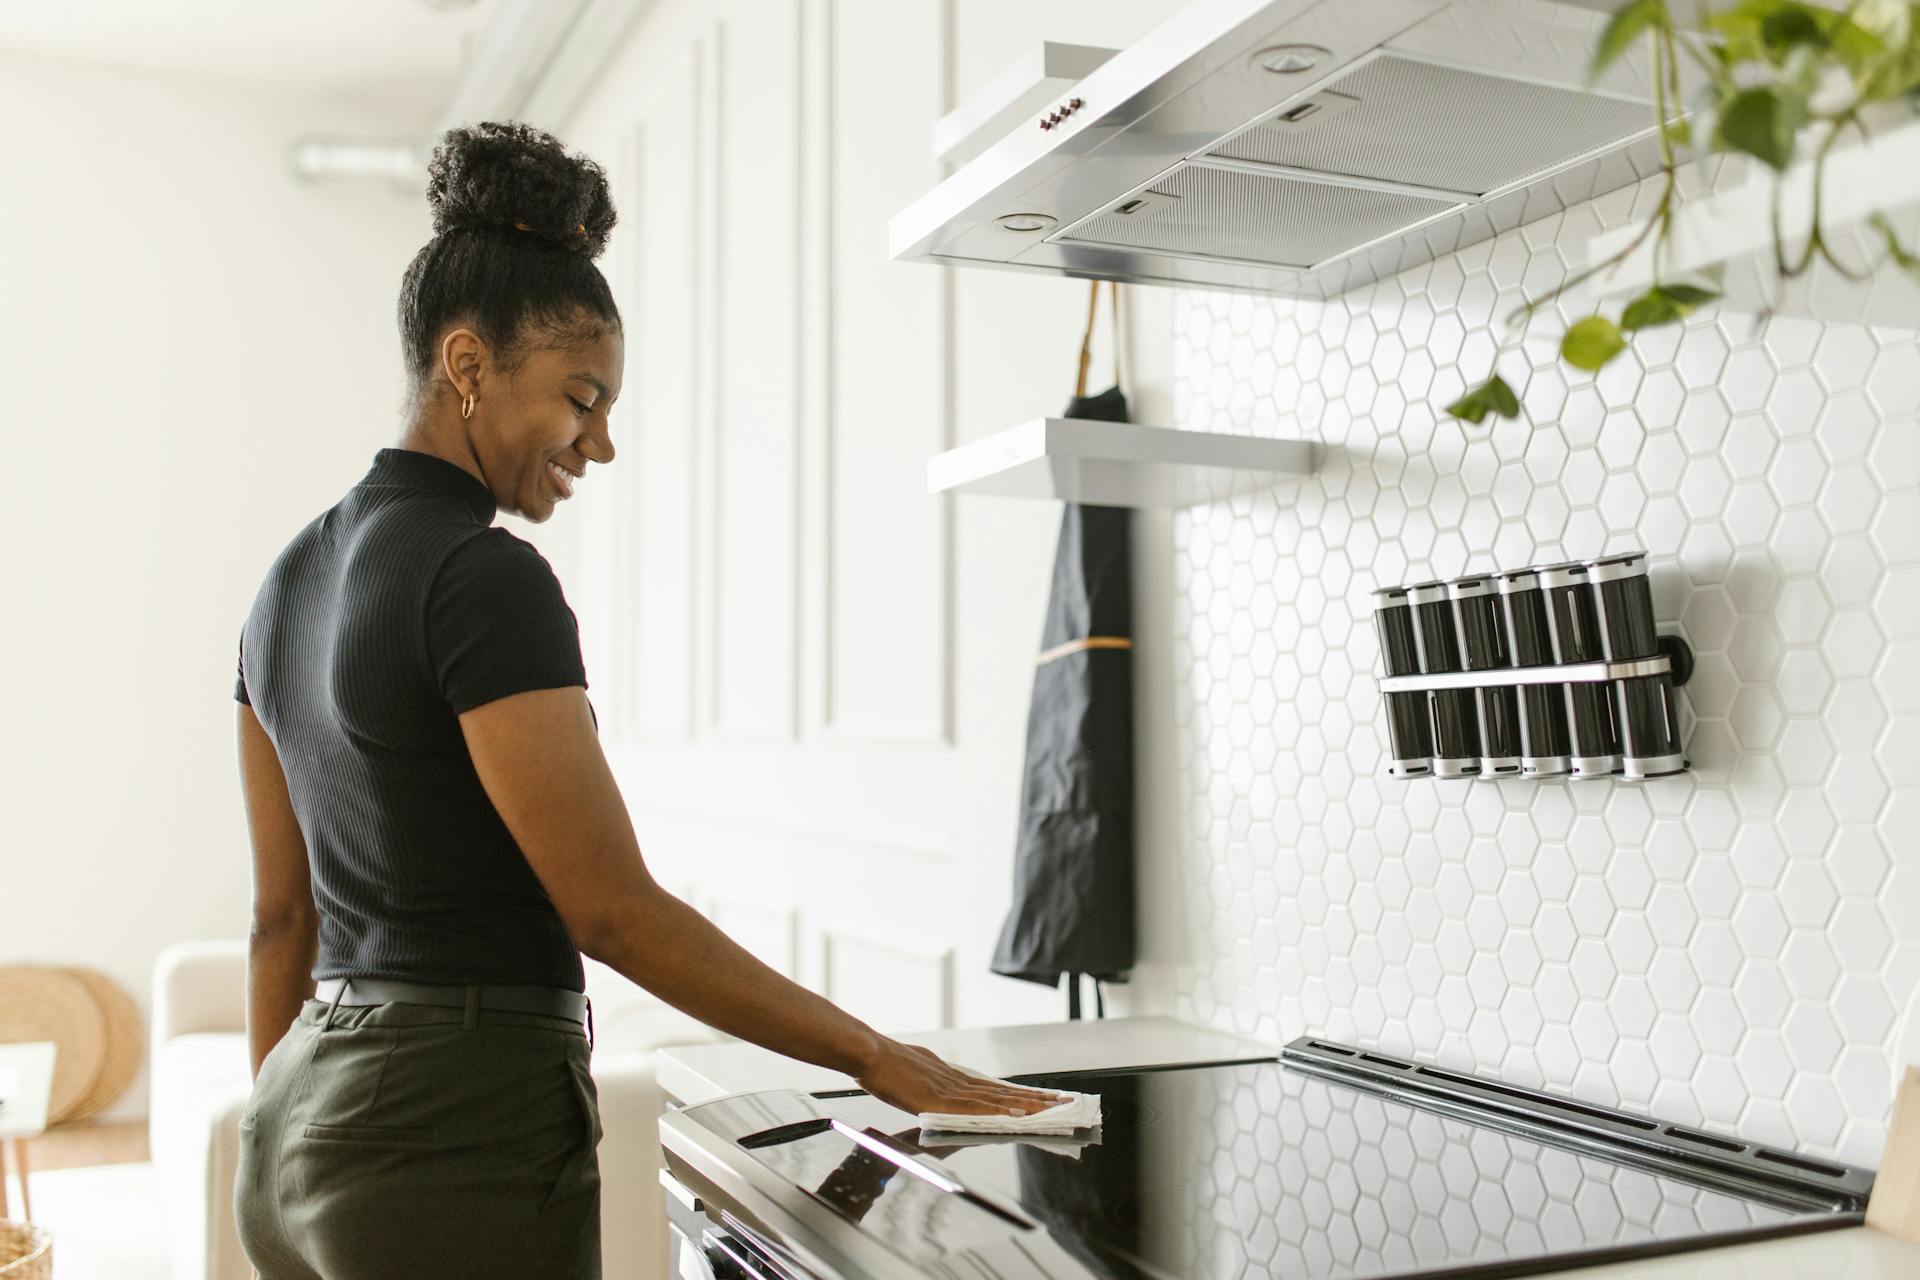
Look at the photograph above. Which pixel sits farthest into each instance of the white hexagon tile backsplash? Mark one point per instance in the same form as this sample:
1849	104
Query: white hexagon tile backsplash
1730	947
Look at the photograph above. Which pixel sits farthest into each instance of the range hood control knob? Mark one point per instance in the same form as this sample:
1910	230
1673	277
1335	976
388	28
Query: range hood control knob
1060	113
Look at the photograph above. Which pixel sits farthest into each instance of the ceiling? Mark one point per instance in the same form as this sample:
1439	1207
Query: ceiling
395	56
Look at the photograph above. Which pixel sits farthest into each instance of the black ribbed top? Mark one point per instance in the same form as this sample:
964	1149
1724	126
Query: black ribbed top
390	614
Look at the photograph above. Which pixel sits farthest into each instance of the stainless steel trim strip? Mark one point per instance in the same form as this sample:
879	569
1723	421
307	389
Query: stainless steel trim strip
1704	1159
1572	673
1326	178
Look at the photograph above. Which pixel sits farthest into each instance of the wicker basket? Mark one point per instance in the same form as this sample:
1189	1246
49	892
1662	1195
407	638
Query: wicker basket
26	1251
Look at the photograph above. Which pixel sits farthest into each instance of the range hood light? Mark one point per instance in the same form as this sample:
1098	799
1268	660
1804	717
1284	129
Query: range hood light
1025	221
1289	59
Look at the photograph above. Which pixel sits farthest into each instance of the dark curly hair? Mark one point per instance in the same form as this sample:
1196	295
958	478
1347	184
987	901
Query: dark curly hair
517	224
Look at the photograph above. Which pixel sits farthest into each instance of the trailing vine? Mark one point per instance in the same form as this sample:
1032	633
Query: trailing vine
1778	75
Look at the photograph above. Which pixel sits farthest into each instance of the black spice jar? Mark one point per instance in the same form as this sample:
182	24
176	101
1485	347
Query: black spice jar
1409	727
1456	727
1483	647
1644	706
1544	747
1574	625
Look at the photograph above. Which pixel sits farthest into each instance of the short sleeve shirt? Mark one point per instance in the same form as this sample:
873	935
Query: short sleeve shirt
389	615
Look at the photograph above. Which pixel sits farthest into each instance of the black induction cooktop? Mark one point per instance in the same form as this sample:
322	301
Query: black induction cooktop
1333	1164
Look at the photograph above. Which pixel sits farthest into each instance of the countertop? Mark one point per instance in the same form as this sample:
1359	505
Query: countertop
698	1073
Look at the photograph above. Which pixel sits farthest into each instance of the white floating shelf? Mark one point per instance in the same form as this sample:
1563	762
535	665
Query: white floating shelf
1018	96
1116	464
1733	229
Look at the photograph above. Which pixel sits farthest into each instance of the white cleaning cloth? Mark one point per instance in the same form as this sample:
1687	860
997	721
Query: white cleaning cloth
1079	1111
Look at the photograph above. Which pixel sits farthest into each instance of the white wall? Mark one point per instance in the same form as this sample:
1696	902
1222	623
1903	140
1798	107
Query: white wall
813	677
197	355
1727	947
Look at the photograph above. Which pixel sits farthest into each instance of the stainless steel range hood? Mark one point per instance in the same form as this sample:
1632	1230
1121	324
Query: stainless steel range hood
1300	146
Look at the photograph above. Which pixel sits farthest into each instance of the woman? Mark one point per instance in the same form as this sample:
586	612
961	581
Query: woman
436	834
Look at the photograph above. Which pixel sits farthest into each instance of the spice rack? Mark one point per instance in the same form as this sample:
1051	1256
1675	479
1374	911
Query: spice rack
1553	670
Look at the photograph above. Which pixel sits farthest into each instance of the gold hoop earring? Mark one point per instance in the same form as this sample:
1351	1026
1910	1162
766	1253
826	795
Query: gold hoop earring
466	407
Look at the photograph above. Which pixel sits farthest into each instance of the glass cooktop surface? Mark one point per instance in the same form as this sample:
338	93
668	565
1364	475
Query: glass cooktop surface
1254	1170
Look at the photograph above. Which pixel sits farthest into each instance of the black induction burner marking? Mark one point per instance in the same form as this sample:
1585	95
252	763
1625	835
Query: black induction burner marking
1255	1170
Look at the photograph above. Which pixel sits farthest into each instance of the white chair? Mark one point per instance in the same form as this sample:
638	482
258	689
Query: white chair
201	1081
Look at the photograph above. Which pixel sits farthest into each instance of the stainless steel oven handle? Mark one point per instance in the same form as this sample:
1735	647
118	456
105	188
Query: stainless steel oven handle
686	1199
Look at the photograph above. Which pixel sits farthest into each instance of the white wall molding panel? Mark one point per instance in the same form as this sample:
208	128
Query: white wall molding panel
769	600
887	983
1727	947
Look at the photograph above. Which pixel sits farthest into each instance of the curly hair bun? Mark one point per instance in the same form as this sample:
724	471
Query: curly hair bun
513	177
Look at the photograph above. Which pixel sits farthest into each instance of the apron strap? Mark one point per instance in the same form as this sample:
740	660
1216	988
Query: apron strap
1086	336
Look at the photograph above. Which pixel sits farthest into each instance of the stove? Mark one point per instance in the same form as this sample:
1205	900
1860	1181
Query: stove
1328	1163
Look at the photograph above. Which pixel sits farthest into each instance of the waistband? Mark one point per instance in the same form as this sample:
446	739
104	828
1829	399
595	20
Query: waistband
518	997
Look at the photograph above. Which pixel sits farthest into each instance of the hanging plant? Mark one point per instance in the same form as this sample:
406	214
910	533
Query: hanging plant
1780	75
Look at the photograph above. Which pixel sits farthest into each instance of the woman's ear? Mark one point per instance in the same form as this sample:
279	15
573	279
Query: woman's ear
464	361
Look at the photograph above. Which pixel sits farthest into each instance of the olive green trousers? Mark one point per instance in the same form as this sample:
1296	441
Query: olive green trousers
405	1140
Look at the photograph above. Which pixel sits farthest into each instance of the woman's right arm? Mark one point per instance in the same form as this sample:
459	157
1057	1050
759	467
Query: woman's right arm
539	758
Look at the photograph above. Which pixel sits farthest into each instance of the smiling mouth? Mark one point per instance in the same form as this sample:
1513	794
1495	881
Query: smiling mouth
562	479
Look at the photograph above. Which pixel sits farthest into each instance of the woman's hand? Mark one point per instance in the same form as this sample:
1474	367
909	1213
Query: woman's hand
916	1080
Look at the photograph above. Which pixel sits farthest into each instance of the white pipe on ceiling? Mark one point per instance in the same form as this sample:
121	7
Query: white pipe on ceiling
536	61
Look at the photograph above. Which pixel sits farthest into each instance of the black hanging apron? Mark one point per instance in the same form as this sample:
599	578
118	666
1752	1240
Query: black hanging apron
1073	907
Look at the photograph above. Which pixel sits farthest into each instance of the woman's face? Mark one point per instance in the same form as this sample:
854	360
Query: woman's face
535	429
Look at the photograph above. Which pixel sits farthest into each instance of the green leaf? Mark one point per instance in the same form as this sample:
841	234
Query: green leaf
1492	396
1591	343
1628	23
1649	309
1501	397
1664	304
1739	31
1689	296
1789	27
1893	70
1762	122
1858	49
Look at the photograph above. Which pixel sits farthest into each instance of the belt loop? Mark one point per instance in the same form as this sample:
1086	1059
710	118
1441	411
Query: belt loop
589	1024
328	1024
473	1008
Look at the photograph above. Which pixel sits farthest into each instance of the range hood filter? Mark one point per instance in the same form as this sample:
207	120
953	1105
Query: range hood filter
1245	217
1428	125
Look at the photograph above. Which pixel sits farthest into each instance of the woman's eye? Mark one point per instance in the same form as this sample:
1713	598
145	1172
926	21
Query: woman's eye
578	408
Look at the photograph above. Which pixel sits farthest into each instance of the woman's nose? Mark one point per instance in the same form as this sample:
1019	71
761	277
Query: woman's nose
596	449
